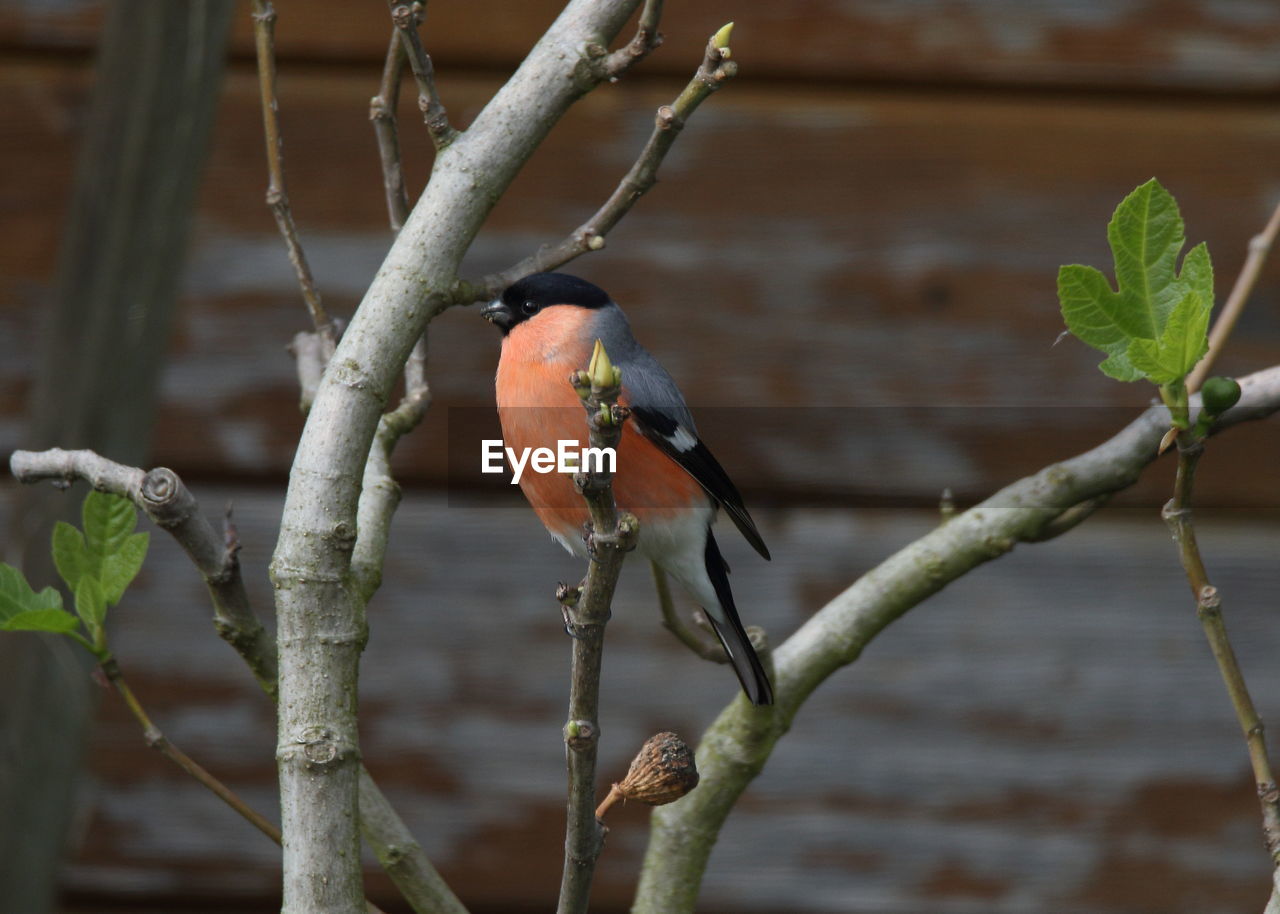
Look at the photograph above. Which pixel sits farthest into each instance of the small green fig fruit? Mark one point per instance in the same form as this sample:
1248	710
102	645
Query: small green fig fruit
1219	394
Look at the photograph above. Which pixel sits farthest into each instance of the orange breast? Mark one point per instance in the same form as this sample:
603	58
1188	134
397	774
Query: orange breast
538	407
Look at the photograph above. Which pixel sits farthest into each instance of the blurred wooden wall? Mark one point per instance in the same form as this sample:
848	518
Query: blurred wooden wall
849	266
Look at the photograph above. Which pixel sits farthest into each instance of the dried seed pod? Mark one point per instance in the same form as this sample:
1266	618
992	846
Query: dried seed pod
662	772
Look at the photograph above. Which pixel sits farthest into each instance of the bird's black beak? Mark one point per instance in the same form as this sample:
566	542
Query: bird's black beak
497	312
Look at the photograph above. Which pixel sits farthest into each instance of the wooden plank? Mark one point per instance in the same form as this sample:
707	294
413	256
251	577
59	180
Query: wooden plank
1032	738
873	275
1177	45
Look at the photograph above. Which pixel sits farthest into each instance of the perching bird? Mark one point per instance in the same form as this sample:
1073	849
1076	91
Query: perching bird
665	476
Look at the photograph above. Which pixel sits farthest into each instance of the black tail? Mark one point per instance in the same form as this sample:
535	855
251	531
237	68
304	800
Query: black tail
755	682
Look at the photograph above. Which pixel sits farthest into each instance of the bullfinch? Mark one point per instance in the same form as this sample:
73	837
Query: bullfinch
665	475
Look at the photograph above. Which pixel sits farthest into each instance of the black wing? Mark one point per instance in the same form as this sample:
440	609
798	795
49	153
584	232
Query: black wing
686	449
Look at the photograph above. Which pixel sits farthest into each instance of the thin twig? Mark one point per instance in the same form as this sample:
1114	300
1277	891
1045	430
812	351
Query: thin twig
163	497
716	68
158	741
406	19
647	39
611	536
1259	246
379	493
382	112
1177	515
264	28
946	505
673	623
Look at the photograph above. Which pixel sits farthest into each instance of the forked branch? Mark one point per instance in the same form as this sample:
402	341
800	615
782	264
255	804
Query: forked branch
161	495
647	39
715	70
406	19
735	748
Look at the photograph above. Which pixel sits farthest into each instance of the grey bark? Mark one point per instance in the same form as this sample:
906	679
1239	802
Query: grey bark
319	609
157	80
737	745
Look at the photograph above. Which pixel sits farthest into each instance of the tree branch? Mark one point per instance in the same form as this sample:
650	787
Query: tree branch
611	536
264	27
400	855
737	745
647	39
319	606
715	69
379	492
1259	246
406	19
672	622
1177	515
382	112
1068	520
161	495
158	741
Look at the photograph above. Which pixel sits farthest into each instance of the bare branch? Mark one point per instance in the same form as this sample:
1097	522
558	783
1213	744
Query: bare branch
715	69
382	112
264	27
737	745
406	19
161	743
400	855
647	39
156	739
311	351
319	608
162	496
1067	520
1177	515
1259	246
380	493
611	536
672	622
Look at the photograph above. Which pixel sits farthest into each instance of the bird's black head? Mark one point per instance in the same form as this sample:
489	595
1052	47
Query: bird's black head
525	298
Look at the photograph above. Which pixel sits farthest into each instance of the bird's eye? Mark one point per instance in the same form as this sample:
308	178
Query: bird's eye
529	307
